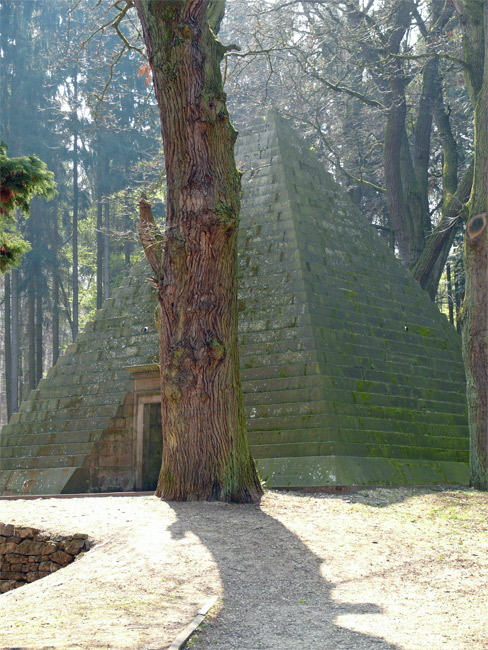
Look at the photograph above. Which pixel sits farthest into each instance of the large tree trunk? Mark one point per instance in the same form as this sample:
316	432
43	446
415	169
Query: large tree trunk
206	453
474	18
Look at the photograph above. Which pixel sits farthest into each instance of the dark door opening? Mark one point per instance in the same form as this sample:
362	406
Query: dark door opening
152	448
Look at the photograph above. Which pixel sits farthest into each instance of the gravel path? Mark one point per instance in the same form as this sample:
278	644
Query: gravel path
380	570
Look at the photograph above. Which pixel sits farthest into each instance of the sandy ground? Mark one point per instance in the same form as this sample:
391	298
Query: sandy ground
379	569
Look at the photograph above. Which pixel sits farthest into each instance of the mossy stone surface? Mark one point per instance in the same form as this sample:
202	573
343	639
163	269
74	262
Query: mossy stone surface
350	374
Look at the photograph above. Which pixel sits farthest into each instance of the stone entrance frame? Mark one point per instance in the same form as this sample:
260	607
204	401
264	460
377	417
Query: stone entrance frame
146	390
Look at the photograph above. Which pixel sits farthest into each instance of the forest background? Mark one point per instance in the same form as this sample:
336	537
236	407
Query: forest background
376	88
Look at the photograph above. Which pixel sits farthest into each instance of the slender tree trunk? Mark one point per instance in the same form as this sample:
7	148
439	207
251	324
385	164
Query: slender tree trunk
450	297
393	177
206	452
106	248
127	252
399	215
128	229
55	273
99	253
421	146
8	346
75	280
457	301
38	329
31	334
99	225
15	342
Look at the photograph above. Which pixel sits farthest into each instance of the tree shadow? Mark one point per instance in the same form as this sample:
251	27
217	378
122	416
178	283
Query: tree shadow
274	597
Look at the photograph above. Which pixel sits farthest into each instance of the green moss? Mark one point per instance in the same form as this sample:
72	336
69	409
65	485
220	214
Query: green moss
226	211
365	397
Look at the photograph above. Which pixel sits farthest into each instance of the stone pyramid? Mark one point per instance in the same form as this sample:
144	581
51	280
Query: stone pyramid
350	374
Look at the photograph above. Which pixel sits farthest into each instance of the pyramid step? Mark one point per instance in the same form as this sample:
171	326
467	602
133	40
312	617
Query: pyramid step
358	449
43	462
361	435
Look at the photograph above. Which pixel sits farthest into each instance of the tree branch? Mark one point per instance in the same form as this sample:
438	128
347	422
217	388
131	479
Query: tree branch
431	262
150	236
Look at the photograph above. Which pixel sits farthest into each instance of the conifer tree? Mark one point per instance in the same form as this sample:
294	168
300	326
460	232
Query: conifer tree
21	179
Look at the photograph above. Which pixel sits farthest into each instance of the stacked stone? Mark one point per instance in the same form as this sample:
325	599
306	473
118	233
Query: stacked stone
27	554
351	376
71	433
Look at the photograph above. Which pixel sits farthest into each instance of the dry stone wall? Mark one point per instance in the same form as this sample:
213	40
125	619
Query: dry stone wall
27	554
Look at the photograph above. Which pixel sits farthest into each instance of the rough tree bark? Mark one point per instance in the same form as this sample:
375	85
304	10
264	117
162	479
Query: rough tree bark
474	19
206	452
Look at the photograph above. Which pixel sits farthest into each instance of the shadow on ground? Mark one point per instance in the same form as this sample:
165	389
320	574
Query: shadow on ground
382	497
274	597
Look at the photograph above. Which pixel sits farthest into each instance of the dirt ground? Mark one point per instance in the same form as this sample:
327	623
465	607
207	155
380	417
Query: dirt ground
379	569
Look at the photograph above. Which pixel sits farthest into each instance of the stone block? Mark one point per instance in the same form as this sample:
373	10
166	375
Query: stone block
7	547
29	547
23	532
6	530
63	558
35	575
11	575
7	585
